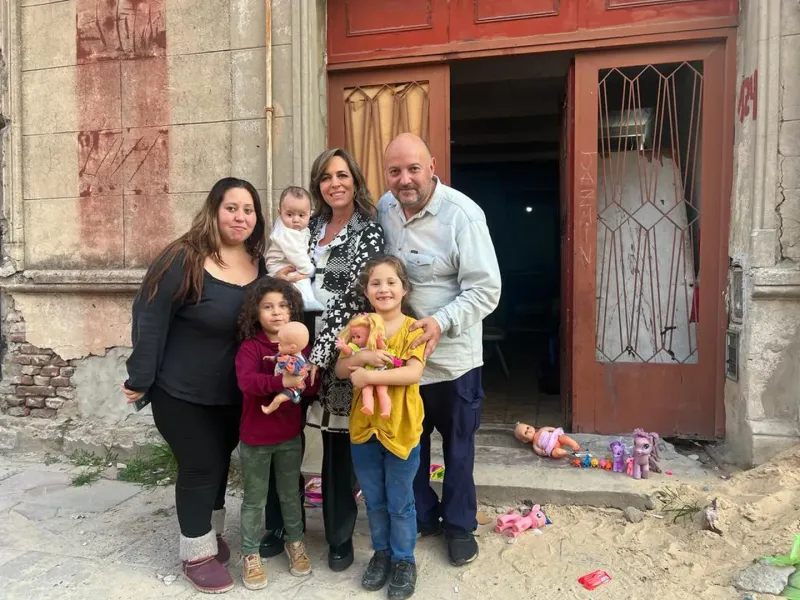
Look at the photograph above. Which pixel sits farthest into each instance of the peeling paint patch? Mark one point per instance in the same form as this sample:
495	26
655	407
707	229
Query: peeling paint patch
76	325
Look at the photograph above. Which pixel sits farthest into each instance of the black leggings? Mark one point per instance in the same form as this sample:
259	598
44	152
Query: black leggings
202	438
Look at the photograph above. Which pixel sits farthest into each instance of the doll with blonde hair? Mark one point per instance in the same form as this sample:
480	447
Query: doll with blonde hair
367	331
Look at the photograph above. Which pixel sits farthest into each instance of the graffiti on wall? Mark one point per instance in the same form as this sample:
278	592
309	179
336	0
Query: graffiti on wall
748	97
123	138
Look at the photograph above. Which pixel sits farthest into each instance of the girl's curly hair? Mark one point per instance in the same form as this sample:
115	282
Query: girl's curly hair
249	325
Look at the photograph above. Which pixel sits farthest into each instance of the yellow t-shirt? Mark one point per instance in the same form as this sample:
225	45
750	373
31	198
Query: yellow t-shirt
400	433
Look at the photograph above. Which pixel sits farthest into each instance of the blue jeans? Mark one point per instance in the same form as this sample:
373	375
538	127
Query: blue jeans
387	483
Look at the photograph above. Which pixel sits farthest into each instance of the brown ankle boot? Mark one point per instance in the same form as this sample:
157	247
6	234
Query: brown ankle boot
223	552
218	525
200	565
208	576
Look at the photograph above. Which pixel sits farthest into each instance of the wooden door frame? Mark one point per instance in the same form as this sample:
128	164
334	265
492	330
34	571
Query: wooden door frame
716	184
726	34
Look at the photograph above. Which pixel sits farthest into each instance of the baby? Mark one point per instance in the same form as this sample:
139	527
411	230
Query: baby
289	243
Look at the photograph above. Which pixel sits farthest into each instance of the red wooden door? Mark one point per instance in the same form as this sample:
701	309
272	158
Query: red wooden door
648	180
367	109
567	243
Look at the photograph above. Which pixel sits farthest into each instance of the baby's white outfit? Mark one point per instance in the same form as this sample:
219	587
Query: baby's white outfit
289	247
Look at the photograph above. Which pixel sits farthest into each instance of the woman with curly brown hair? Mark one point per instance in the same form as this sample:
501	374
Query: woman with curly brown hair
184	348
271	440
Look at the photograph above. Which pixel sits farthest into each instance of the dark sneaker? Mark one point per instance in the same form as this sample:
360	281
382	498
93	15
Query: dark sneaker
462	548
223	551
429	529
340	557
377	573
272	544
208	576
403	580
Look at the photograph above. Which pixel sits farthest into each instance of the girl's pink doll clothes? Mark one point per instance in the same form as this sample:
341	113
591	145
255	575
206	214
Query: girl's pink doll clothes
550	439
366	332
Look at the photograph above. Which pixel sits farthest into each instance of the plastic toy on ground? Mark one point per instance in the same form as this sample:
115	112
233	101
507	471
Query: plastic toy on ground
515	523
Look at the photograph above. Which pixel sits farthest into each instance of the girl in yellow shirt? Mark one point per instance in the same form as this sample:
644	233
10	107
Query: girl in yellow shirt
386	451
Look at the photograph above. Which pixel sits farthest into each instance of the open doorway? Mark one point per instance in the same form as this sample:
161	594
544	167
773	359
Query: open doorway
505	141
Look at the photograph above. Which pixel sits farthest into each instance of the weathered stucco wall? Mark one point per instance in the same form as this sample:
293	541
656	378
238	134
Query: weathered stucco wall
124	114
763	406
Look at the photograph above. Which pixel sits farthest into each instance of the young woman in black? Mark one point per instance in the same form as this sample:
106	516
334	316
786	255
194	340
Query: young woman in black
184	347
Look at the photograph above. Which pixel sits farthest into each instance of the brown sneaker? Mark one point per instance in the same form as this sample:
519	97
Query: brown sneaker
253	574
208	576
223	551
299	564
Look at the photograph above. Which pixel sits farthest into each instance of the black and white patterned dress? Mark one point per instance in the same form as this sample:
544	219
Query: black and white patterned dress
356	243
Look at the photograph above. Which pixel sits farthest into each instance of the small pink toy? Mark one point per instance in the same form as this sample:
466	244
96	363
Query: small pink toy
515	523
645	454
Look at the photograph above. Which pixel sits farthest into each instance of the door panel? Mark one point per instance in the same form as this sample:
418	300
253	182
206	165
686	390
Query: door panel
608	13
356	26
648	166
367	109
481	19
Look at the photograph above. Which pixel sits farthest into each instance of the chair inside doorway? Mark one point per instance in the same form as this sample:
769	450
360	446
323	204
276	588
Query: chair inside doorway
505	156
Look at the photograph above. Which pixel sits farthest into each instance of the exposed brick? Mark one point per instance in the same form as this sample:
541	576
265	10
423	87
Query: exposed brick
16	411
12	400
35	390
54	403
15	327
30	370
34	402
40	360
60	382
43	413
57	361
67	371
66	392
31	349
41	380
16	337
51	371
21	360
21	380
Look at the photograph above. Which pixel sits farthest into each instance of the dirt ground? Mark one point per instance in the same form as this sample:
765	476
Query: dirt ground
759	515
126	545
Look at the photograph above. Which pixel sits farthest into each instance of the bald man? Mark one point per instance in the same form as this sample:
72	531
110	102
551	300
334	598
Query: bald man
442	237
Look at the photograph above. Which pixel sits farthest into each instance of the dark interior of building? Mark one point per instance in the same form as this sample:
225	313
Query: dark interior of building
505	139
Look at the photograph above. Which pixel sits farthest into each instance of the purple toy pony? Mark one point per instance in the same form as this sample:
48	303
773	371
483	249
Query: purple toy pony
645	454
618	452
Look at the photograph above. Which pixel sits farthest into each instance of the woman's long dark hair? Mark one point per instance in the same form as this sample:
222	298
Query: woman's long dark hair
249	325
361	197
203	241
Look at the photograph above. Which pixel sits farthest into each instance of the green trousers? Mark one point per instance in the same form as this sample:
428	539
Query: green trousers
256	462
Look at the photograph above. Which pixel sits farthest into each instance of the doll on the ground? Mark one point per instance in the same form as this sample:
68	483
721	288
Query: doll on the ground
547	441
292	338
288	244
367	332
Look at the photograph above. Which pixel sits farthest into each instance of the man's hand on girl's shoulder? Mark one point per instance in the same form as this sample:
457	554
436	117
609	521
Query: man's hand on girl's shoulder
430	336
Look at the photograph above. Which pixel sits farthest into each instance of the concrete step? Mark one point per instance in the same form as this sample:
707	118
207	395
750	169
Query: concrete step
507	472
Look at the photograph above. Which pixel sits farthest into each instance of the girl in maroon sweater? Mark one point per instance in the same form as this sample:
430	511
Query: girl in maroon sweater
273	437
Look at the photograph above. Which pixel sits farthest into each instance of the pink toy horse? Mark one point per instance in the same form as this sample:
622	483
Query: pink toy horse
517	524
645	454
